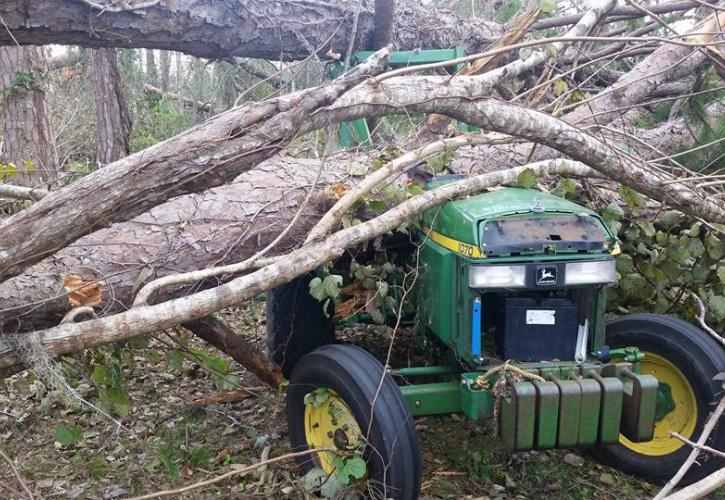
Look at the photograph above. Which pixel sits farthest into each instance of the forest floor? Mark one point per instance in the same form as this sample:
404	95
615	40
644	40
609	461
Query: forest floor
164	442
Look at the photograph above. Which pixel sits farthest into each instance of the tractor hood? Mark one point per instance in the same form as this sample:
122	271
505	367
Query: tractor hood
515	221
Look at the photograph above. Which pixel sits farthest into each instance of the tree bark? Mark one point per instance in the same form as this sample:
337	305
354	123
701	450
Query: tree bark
220	226
204	156
164	69
113	121
68	337
28	141
152	73
667	63
274	29
221	336
231	223
242	137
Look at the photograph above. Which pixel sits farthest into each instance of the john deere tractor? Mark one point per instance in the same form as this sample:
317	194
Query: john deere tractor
512	287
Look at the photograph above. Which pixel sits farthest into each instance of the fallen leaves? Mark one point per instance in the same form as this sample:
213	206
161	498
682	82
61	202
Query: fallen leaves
80	292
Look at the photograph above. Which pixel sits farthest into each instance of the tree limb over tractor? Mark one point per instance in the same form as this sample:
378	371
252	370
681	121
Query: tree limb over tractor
146	319
242	137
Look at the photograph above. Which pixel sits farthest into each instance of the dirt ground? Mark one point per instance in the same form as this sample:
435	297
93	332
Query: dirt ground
164	442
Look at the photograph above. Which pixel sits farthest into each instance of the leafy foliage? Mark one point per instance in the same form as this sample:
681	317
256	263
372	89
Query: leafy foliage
67	435
665	262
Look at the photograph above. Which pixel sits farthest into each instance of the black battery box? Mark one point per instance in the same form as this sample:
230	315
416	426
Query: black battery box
530	329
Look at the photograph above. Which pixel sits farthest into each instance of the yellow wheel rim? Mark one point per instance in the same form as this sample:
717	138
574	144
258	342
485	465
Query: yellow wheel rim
681	420
331	424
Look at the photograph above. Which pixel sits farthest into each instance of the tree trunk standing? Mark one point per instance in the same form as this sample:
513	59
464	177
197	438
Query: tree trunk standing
382	36
113	121
28	140
152	74
164	69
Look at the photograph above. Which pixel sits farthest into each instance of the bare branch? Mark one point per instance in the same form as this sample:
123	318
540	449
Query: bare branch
17	475
711	423
146	319
22	193
232	473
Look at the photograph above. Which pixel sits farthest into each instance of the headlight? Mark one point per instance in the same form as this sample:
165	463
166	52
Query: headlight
497	276
587	273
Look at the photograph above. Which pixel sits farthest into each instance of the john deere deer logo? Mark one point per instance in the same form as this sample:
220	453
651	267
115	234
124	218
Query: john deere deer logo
546	276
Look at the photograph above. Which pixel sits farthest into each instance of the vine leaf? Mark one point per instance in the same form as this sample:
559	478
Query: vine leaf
526	179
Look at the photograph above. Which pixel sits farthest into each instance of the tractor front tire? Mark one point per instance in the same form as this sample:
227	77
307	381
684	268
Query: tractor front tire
341	397
296	323
685	359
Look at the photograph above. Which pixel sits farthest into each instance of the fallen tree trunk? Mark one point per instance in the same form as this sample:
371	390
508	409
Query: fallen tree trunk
273	29
218	150
204	156
17	349
231	223
220	226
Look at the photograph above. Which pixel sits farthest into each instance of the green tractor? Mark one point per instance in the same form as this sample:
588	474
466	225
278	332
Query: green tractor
512	287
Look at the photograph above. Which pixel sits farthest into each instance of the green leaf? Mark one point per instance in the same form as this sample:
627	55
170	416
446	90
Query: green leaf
316	289
670	218
165	454
715	247
116	400
175	360
440	161
625	264
717	306
560	87
613	212
317	397
566	188
9	170
100	375
694	231
378	206
526	179
414	189
67	435
383	288
525	53
353	467
332	284
98	467
329	287
547	6
635	286
358	169
318	481
377	316
647	228
721	274
632	198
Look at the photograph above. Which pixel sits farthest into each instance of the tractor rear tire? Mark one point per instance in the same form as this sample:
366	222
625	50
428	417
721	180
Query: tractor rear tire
363	410
296	323
688	359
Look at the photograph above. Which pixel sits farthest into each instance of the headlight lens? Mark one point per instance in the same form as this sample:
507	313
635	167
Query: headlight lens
587	273
497	276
